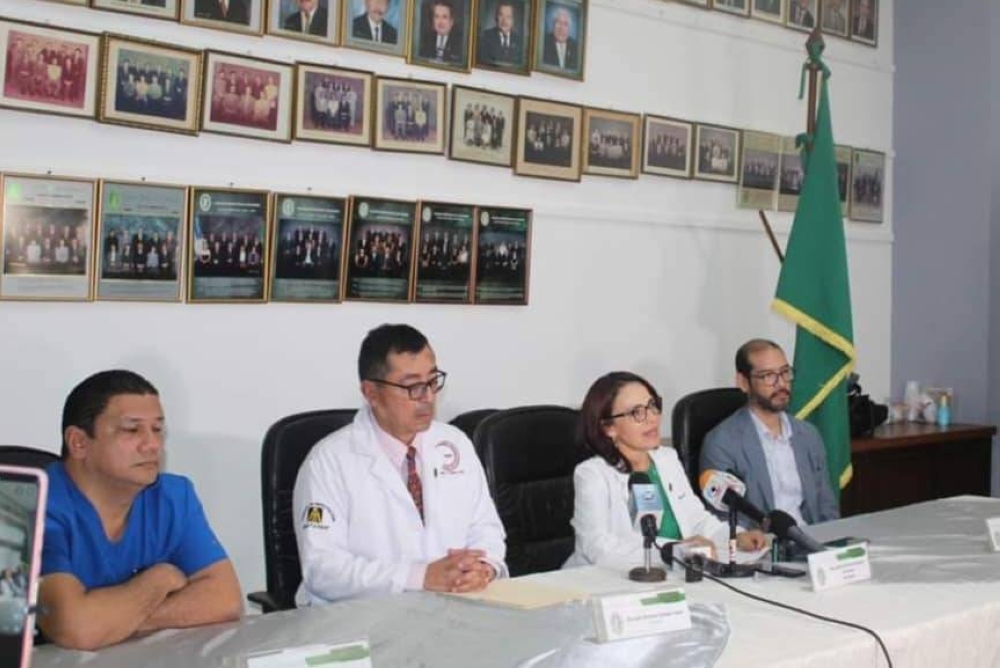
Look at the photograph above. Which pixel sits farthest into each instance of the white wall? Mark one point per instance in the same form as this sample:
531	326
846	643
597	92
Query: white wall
660	276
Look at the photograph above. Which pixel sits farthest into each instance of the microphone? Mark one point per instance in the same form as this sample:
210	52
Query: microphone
643	501
784	527
724	491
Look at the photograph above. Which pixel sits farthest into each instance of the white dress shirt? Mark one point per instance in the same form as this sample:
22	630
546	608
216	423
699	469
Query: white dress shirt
784	474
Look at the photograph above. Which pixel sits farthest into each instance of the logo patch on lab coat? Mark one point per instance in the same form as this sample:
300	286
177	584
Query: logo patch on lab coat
450	459
317	516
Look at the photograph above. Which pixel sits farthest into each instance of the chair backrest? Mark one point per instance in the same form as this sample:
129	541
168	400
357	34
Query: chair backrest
469	420
20	455
529	454
286	445
697	414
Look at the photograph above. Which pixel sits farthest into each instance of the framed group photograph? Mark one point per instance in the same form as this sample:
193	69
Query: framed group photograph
769	10
718	153
229	245
698	3
380	250
49	70
864	21
503	35
333	105
867	185
548	139
613	140
739	7
560	38
308	241
666	146
843	155
441	34
503	238
247	97
140	241
245	16
446	242
150	85
157	9
409	115
309	20
382	26
482	126
833	18
759	173
792	175
802	14
47	226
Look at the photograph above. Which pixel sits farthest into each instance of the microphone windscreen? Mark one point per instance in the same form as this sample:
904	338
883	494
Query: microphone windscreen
638	478
780	523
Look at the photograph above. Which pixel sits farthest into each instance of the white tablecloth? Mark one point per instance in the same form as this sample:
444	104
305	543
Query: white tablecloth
934	598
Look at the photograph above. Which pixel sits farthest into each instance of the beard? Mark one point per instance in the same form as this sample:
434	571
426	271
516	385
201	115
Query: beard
776	402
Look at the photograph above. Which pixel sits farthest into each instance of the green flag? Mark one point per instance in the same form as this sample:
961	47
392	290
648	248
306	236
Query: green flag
814	293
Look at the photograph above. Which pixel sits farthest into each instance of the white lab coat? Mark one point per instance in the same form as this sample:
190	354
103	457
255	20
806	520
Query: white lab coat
357	528
604	532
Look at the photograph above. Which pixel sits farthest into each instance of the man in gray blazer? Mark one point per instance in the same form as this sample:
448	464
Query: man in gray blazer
781	459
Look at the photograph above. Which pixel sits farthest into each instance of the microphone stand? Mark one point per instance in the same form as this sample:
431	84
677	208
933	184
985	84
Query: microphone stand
647	572
732	569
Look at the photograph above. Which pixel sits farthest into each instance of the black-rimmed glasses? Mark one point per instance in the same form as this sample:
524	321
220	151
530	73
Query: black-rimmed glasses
640	413
417	391
770	378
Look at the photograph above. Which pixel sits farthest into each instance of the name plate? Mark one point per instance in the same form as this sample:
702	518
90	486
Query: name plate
354	654
620	616
993	530
839	567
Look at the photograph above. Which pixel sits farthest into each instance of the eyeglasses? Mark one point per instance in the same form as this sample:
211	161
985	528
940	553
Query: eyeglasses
640	413
786	374
417	391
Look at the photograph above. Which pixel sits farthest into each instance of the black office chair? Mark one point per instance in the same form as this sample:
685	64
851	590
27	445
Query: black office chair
529	454
469	420
20	455
697	414
286	445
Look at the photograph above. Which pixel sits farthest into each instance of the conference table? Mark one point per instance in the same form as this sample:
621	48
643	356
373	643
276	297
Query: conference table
934	598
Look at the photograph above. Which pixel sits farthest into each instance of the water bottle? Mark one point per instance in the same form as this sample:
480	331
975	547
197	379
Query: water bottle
944	411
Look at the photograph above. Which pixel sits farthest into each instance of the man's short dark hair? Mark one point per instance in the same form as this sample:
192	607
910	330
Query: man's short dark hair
503	3
384	340
91	397
743	365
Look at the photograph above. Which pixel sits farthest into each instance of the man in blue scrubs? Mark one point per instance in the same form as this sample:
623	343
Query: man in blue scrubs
127	549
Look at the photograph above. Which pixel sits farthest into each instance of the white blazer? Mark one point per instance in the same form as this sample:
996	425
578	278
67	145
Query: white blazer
604	532
357	528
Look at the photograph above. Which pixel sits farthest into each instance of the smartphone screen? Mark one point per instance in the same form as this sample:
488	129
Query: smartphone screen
22	505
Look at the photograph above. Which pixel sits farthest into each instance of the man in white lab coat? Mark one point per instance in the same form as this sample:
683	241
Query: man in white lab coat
395	501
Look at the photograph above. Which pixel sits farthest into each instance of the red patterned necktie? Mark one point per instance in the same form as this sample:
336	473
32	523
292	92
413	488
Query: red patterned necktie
413	484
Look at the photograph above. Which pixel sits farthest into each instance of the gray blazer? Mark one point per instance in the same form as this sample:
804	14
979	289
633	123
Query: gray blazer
734	445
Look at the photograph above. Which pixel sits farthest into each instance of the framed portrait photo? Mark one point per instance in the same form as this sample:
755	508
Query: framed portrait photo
560	38
442	34
705	4
333	105
718	153
47	226
244	16
382	26
482	126
791	175
309	20
140	241
503	239
613	140
157	9
308	245
666	146
802	14
864	21
759	171
150	85
548	139
445	252
409	115
769	10
843	155
247	97
867	185
49	70
738	7
380	249
229	245
834	19
503	35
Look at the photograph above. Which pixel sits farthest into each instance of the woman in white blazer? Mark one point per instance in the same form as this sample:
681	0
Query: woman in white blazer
620	424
